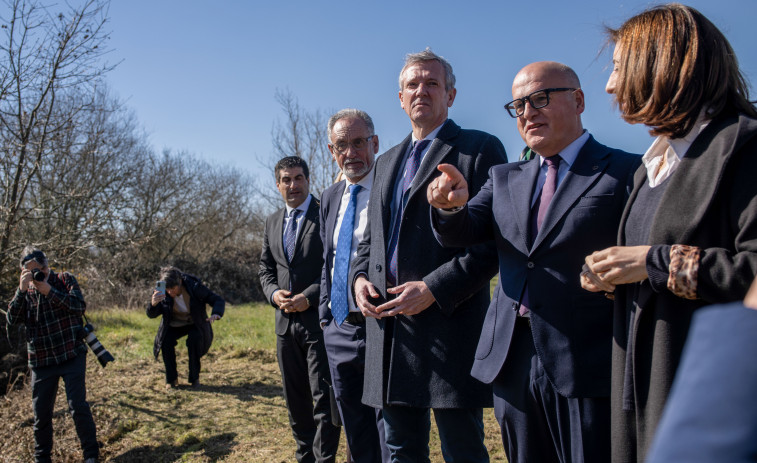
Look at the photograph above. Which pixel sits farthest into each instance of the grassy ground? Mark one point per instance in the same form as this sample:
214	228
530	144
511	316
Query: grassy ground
237	415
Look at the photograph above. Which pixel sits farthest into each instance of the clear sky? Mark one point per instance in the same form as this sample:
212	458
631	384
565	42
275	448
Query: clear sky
201	75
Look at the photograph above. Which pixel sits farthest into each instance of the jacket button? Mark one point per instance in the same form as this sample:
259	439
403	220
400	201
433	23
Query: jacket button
515	306
530	265
378	267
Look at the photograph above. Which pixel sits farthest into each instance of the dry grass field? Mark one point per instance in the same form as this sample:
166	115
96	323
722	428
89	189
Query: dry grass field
237	415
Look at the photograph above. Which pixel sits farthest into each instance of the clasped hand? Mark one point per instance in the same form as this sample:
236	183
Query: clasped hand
288	303
616	265
412	298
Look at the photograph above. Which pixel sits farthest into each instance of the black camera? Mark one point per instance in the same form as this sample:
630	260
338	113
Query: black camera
38	274
102	354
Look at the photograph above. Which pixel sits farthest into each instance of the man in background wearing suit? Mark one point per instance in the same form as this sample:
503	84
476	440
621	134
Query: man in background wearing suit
290	273
546	342
426	303
344	216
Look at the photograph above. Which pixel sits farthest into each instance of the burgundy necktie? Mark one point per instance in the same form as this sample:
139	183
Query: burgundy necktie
539	211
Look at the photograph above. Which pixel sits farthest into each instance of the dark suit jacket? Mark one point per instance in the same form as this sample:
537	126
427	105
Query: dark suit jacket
304	272
424	360
330	201
572	328
712	411
711	203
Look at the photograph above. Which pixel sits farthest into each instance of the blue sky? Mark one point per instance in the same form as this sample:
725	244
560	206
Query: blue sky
201	76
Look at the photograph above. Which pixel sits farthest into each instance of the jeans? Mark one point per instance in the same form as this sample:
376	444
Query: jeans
44	390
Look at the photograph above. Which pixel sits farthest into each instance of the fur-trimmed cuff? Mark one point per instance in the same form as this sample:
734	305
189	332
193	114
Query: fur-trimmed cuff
684	271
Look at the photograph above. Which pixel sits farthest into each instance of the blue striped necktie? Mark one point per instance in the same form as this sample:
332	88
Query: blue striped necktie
290	236
339	287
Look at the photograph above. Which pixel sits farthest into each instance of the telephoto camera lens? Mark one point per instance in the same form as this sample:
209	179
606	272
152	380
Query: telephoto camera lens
102	354
38	274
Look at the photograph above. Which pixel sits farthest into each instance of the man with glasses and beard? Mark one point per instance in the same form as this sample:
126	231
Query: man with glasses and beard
546	342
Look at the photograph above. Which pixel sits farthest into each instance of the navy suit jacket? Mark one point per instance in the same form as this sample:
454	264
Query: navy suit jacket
330	202
711	414
572	328
424	360
303	273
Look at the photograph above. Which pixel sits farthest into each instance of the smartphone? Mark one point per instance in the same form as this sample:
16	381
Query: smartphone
161	286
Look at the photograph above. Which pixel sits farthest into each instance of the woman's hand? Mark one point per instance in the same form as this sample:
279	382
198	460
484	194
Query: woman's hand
617	265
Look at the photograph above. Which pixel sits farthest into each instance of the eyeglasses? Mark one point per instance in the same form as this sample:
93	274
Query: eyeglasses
537	99
357	144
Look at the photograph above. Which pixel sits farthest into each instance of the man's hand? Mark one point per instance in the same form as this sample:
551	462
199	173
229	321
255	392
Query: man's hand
449	190
364	292
213	318
24	280
296	303
593	283
413	297
619	265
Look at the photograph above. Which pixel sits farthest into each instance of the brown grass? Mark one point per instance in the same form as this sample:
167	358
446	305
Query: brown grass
237	415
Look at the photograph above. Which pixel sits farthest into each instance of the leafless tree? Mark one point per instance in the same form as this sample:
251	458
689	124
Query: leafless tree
302	133
46	58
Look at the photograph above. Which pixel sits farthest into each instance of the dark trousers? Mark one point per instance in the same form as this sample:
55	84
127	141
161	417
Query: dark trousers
305	377
44	390
363	425
194	348
540	425
461	431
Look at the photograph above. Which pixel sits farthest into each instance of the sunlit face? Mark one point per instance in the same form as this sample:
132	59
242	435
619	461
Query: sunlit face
549	129
293	186
346	134
612	81
423	96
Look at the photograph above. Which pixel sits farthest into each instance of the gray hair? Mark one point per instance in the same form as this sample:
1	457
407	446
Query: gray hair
350	113
31	253
428	55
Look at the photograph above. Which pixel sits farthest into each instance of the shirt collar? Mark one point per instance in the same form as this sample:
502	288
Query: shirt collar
570	152
302	207
433	133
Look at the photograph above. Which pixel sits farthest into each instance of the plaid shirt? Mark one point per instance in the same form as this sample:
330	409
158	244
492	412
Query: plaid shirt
52	322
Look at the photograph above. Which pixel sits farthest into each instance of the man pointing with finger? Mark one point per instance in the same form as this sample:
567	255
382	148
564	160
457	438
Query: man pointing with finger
424	304
546	342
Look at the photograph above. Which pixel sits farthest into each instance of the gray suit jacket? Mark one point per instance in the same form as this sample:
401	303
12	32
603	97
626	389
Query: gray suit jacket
303	273
424	360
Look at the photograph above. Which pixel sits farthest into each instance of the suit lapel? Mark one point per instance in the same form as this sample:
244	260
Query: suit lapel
439	149
334	202
309	221
388	175
520	184
277	235
590	163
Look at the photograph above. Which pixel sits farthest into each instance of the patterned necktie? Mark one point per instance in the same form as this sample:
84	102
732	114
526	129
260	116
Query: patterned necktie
339	305
539	211
411	168
290	235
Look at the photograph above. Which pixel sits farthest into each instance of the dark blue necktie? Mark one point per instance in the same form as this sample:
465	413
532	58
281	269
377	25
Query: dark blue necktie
411	168
339	287
290	235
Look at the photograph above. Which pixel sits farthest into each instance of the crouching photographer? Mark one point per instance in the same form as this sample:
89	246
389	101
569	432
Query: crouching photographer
181	298
51	306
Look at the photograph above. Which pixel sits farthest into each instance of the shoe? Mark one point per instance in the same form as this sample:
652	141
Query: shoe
173	385
196	384
91	460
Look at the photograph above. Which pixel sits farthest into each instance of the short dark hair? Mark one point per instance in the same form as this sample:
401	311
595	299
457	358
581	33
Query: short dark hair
172	276
31	253
290	162
674	63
